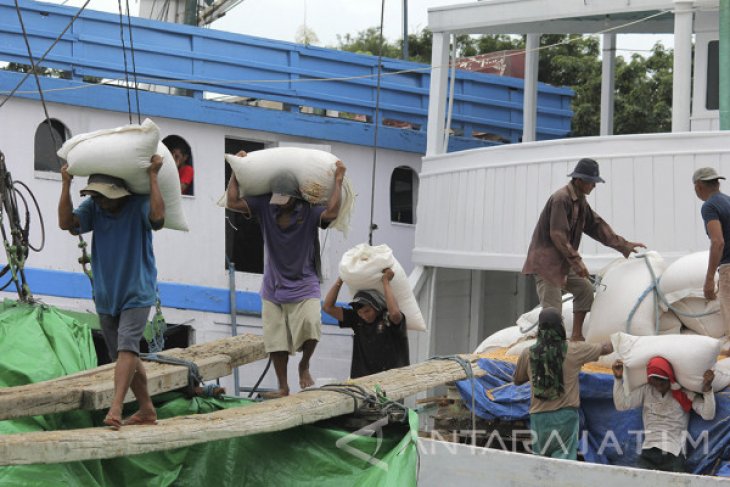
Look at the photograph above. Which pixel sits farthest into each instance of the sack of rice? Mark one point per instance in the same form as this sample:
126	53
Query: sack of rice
313	169
125	153
690	356
362	266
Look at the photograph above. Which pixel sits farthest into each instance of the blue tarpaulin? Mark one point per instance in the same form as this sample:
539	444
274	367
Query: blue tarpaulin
607	436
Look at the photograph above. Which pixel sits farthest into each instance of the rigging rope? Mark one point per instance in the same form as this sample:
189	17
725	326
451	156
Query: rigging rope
134	64
34	68
43	57
124	56
372	227
17	245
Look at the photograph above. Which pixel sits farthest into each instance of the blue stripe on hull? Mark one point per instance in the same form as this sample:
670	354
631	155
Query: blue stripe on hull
173	295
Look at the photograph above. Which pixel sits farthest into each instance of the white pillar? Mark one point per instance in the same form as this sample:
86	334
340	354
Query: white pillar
437	94
608	83
529	108
682	70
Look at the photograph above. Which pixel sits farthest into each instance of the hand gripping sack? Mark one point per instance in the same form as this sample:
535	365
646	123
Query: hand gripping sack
722	375
682	284
125	153
313	169
617	296
690	356
362	266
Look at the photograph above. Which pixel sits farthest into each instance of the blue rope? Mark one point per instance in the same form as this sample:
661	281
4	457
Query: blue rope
194	377
466	365
659	297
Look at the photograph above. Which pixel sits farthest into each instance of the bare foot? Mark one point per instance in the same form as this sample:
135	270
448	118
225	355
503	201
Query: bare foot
113	420
578	338
305	378
274	394
140	418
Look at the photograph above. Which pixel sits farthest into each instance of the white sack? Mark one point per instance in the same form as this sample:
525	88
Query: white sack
620	289
690	356
682	284
313	169
362	266
125	153
526	321
669	324
504	338
516	350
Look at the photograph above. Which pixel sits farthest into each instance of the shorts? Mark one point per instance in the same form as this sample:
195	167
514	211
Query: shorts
288	325
551	296
122	333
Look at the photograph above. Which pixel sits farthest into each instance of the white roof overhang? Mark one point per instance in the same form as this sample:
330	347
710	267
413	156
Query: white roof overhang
558	16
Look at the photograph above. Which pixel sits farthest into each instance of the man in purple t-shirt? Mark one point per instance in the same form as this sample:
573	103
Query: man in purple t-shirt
290	290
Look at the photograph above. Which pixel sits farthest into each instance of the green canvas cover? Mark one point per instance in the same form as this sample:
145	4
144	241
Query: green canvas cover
39	342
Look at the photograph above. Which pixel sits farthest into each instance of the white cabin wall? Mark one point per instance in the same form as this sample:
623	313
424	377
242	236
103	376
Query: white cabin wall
198	257
452	306
478	208
470	305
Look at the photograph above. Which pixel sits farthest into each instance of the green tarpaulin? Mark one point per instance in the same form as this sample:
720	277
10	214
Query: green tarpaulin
39	343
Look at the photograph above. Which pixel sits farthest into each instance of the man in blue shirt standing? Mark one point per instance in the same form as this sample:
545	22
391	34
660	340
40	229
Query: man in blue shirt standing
125	275
716	215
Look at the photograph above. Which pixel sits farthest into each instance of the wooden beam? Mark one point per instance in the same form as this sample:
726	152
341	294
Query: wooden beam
274	415
92	389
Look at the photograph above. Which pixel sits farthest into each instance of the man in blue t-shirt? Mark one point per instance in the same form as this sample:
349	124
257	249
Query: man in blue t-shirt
125	276
716	215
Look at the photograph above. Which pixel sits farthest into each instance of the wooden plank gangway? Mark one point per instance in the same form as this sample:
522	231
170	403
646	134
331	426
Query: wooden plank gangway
268	416
92	389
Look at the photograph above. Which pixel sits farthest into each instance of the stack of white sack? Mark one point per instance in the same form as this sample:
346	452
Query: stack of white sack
515	338
624	301
125	153
504	338
690	356
682	285
313	169
362	267
527	324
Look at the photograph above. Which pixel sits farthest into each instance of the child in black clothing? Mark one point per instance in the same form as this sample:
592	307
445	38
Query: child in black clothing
379	326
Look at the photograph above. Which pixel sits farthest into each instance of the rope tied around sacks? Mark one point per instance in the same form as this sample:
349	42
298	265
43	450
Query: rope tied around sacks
659	296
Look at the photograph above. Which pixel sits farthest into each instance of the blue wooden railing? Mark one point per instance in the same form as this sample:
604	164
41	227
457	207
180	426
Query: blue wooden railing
296	79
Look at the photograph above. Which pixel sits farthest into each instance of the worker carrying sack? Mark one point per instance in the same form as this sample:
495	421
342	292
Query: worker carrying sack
690	356
313	169
362	268
125	153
